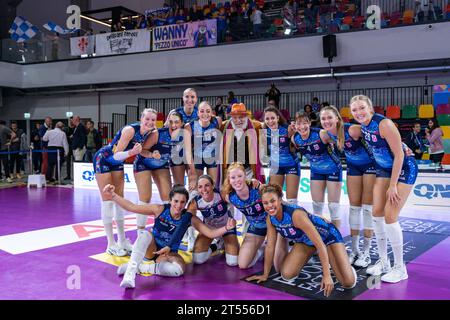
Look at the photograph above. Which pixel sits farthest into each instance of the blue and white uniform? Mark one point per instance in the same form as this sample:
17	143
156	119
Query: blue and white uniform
282	161
205	144
165	226
358	157
323	158
253	210
215	213
163	146
383	155
328	232
104	158
188	118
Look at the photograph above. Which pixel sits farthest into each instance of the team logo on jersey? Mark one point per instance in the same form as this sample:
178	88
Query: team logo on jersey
258	207
292	231
220	207
374	138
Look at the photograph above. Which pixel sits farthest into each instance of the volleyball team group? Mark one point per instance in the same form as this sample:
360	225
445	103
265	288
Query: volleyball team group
381	172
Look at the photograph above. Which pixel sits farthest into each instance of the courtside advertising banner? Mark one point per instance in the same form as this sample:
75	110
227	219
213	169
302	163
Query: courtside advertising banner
185	35
84	176
128	41
82	45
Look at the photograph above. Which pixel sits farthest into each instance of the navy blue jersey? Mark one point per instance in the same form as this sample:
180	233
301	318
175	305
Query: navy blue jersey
377	145
137	137
164	147
165	226
252	208
188	118
356	151
215	213
287	229
204	139
278	143
322	157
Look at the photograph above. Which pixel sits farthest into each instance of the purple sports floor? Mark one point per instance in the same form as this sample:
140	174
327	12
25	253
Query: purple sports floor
48	273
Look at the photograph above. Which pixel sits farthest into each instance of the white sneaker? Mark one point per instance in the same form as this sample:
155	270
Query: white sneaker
363	260
129	277
127	246
143	268
397	274
117	251
352	257
378	268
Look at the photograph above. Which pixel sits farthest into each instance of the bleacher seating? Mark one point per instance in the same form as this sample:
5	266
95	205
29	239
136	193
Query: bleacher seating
426	111
409	111
446	131
393	112
345	112
379	109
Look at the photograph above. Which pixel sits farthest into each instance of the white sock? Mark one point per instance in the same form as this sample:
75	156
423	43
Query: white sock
201	257
107	212
141	219
120	224
292	201
395	236
355	244
140	247
367	242
380	234
166	268
318	208
232	260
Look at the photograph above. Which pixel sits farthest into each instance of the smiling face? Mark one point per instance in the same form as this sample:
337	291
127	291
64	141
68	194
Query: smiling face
237	179
205	188
175	122
303	126
177	203
148	121
271	120
271	203
204	112
239	120
189	99
361	111
329	120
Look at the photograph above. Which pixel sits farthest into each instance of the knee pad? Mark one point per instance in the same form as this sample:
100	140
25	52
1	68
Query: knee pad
334	210
287	279
141	219
292	201
367	217
170	269
379	226
318	208
201	257
107	211
118	213
356	279
354	218
142	242
231	260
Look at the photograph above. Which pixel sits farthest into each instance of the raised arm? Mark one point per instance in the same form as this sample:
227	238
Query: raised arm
212	233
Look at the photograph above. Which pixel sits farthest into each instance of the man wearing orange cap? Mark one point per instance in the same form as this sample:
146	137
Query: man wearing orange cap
241	142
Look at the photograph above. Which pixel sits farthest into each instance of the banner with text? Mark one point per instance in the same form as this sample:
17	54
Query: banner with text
129	41
185	35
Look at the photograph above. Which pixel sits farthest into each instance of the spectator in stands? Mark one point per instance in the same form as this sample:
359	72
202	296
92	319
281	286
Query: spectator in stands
310	14
142	22
231	99
257	22
159	20
220	109
116	26
315	105
46	126
171	18
289	10
414	141
79	139
434	134
93	141
195	14
180	16
57	140
246	15
69	132
5	135
222	25
233	24
36	145
424	10
128	23
274	94
307	109
324	14
14	157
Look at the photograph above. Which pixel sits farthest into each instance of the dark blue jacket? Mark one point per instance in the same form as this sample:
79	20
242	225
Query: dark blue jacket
79	138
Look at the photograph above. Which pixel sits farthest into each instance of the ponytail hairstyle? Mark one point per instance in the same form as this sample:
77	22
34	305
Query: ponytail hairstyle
339	125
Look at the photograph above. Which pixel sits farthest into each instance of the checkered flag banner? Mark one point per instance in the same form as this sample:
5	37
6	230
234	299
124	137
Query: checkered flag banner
53	27
22	30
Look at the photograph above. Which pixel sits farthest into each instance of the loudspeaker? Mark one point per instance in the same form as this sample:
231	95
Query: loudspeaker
329	46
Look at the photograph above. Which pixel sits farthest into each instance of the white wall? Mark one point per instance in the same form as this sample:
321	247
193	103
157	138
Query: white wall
136	5
10	75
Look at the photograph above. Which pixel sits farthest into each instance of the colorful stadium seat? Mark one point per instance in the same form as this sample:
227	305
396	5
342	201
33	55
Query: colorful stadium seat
425	156
443	109
446	159
446	143
393	112
160	116
409	111
379	109
443	119
345	112
446	131
426	111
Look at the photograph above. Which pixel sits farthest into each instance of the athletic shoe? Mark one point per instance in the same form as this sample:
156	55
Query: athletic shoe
363	260
397	274
352	257
379	267
117	251
143	268
19	176
9	180
129	276
126	245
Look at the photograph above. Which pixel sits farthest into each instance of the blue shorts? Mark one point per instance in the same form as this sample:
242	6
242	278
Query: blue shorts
334	177
104	161
408	174
203	165
294	169
143	164
230	232
259	231
334	236
354	170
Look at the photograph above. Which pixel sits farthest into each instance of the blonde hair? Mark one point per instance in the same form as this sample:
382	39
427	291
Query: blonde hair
361	97
148	110
205	103
339	126
226	187
190	89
